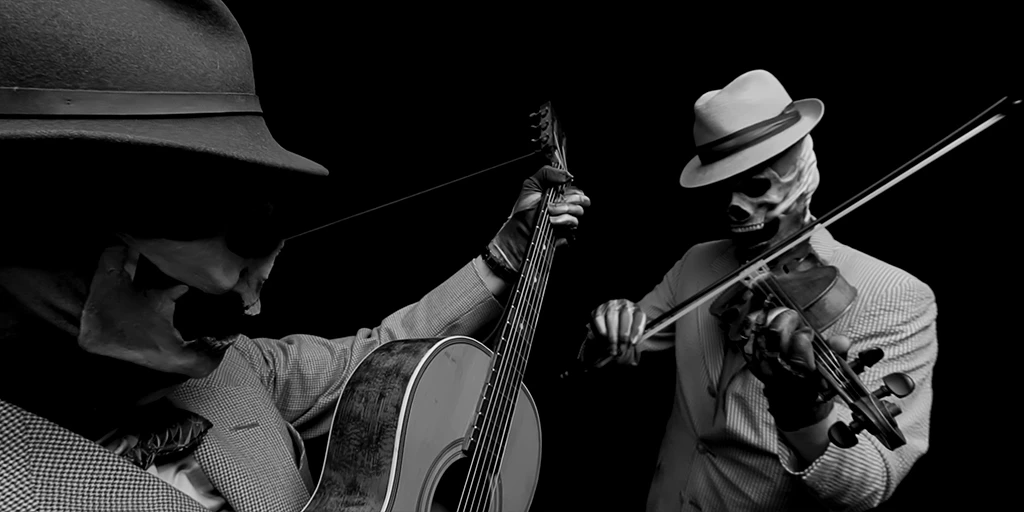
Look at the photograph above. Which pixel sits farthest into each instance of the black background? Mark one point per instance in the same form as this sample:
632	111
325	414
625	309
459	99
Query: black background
397	101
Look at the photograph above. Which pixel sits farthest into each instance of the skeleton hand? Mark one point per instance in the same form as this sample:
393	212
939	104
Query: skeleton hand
614	330
122	321
783	359
510	244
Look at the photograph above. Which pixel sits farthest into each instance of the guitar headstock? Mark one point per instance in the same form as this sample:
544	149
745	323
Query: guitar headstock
551	137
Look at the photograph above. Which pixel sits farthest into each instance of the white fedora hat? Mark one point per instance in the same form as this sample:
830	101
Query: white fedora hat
744	124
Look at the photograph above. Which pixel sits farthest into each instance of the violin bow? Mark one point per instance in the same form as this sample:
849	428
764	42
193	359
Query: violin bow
979	123
410	196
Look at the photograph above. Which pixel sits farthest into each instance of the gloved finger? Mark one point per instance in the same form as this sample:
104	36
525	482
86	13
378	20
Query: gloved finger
639	324
575	196
840	345
562	207
750	324
780	328
549	176
798	351
564	220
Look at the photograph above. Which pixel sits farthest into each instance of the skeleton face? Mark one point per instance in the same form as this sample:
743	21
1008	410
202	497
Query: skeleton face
770	202
210	266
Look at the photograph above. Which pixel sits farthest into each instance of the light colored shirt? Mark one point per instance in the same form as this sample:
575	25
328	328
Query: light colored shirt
721	450
184	474
187	476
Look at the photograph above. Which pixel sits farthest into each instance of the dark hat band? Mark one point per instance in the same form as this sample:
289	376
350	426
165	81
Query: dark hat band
747	137
22	101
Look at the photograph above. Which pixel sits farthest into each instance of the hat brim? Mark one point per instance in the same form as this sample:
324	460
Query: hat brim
696	175
243	138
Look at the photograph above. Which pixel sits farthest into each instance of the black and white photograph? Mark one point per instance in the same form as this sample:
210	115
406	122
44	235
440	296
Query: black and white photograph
333	257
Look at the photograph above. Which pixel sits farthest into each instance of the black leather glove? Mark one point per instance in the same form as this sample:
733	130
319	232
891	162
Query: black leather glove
508	247
783	359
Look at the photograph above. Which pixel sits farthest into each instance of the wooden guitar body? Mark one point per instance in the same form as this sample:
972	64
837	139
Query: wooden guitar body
396	441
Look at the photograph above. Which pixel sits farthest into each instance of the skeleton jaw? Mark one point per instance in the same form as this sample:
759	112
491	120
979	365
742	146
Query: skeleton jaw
747	228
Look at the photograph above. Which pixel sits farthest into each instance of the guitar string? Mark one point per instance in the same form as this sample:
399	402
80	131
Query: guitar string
543	257
476	493
520	352
522	361
504	387
482	448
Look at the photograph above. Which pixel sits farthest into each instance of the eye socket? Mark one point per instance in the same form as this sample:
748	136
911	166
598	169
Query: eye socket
755	186
255	235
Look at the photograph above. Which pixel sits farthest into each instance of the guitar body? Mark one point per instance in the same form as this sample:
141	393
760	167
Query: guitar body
398	430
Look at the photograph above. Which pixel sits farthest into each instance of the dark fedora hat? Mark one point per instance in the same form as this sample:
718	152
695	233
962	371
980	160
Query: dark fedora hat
173	75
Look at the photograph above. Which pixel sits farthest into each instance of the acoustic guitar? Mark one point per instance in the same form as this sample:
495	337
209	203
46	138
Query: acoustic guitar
446	424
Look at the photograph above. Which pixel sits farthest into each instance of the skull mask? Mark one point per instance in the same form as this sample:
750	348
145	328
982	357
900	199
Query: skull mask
771	201
134	313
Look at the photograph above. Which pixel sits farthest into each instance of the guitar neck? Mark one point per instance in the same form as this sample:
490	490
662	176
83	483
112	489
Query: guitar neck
512	347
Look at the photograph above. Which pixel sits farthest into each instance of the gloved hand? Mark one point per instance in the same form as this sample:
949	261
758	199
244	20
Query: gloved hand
783	359
508	248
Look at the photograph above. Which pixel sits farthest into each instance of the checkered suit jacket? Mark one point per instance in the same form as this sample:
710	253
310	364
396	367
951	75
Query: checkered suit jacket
263	399
721	449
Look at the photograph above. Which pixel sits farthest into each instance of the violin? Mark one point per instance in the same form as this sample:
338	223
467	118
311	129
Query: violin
820	296
790	275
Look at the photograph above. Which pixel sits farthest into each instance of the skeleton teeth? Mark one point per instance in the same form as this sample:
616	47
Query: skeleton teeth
744	229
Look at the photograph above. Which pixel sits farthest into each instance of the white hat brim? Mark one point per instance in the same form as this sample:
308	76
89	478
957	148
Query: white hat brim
696	175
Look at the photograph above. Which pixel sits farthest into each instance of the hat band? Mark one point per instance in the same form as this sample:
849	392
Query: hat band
747	137
21	101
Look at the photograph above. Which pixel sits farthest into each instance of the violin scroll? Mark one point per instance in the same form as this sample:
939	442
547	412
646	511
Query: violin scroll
845	436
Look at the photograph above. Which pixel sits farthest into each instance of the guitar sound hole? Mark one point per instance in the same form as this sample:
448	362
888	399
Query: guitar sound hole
449	488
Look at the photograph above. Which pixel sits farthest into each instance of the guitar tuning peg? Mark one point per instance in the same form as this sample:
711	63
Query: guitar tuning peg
898	384
866	359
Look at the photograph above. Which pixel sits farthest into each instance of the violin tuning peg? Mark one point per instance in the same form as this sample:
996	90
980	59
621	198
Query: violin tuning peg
866	359
843	435
894	410
897	384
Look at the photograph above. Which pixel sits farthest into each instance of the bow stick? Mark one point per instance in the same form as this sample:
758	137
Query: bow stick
410	196
995	113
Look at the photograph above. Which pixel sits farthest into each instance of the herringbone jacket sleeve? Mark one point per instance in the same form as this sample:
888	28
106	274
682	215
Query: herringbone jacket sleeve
306	374
902	322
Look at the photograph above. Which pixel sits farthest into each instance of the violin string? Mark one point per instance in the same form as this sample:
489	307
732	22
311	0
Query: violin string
826	358
406	198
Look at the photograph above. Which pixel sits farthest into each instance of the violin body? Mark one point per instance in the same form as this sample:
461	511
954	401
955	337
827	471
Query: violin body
821	296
